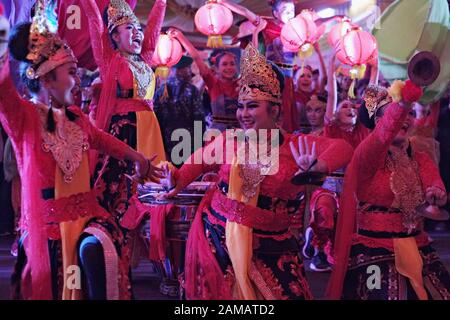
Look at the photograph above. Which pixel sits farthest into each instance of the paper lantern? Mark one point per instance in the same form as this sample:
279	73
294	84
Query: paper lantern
299	35
320	28
167	53
356	49
213	20
338	31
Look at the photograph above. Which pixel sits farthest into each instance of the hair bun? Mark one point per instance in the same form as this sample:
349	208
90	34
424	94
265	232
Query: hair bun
18	41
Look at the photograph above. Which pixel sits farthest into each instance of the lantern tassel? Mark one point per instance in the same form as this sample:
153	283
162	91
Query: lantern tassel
356	72
162	72
305	52
351	90
214	41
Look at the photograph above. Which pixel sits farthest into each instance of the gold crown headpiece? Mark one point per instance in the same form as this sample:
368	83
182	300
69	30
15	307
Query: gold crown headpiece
120	12
258	79
314	101
376	97
47	50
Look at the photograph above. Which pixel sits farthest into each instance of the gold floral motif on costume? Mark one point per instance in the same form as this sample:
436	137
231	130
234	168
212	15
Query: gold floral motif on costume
143	75
252	171
406	185
67	145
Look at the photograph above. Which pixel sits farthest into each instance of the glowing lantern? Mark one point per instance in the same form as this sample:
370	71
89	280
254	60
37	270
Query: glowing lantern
213	20
167	53
338	31
299	35
356	49
320	28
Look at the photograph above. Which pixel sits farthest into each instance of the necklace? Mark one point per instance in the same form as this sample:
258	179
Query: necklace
142	73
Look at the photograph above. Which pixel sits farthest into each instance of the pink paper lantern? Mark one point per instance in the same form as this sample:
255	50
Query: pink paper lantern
357	48
312	15
213	20
299	34
167	53
338	31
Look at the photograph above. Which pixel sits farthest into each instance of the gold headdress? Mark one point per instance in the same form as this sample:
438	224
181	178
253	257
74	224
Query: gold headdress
376	97
314	101
258	80
47	50
119	12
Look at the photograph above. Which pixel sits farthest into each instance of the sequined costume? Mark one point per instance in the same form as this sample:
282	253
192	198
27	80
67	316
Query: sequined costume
51	166
378	225
241	244
125	107
277	268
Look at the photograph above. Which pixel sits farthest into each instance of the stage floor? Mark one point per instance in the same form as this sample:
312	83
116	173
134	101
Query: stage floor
146	281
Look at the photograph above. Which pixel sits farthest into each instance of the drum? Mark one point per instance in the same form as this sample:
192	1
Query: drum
178	222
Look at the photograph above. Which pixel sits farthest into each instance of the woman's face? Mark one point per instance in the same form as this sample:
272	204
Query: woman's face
405	131
305	79
315	114
284	11
347	113
253	114
128	38
227	68
345	83
62	84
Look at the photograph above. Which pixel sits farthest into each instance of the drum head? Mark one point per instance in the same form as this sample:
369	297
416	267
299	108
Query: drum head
312	178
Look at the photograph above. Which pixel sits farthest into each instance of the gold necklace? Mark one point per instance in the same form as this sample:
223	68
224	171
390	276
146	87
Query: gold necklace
142	73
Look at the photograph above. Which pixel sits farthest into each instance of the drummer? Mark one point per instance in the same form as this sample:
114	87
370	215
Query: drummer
241	236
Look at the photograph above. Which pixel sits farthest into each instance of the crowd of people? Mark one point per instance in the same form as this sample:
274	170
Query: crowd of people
360	167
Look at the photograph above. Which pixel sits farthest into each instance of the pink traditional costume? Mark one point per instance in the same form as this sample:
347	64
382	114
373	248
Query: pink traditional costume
58	205
379	224
267	206
125	107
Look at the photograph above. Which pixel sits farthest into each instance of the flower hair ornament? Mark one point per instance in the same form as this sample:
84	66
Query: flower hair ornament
376	97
